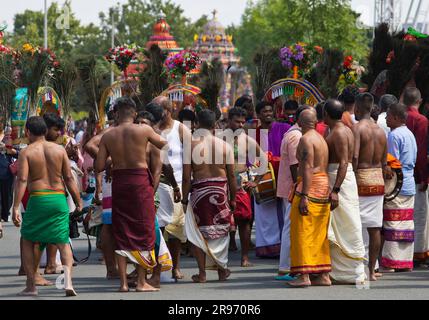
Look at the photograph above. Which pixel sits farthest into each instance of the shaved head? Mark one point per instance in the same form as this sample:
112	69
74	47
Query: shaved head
164	102
308	119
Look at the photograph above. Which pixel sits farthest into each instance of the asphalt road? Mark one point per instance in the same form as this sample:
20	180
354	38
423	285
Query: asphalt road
256	283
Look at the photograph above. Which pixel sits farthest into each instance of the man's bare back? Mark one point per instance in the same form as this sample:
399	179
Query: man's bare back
92	146
370	145
47	164
312	153
340	141
127	145
214	164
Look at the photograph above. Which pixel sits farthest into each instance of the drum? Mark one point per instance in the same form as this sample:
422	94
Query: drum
393	186
266	189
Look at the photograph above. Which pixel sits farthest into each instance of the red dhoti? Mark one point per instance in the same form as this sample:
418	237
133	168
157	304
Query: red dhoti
209	200
133	210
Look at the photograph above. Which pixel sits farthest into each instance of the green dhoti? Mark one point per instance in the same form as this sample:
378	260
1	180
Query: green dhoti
46	219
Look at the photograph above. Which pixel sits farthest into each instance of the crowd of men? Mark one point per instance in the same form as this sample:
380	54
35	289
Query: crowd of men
161	183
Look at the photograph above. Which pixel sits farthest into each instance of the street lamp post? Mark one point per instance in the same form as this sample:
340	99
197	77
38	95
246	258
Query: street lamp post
112	74
46	25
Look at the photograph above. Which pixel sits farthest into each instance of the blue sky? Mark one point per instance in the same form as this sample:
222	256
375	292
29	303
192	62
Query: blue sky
229	10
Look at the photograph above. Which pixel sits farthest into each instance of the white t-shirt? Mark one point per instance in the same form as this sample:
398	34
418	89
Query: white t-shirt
382	123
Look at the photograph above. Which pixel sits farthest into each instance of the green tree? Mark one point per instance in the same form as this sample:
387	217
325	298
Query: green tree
275	23
29	28
135	19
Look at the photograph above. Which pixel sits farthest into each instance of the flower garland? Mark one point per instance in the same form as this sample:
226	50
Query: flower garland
180	64
122	56
351	73
34	65
292	56
300	59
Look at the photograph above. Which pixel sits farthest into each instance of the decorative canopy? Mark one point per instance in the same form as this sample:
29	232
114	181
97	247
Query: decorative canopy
215	43
163	39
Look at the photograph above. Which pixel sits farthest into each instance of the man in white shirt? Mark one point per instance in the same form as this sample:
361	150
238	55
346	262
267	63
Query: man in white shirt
385	102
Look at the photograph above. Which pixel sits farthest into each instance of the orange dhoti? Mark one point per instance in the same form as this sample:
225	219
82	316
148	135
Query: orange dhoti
309	234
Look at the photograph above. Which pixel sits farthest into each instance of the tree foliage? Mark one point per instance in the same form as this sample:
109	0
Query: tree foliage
274	23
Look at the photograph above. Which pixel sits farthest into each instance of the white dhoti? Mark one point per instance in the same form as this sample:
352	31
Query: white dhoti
371	199
284	265
268	229
421	225
216	250
345	231
170	215
166	207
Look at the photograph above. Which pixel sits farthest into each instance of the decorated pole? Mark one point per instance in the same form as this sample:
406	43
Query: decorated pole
46	25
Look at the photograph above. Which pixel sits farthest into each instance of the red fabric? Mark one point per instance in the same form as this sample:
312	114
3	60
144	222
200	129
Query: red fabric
25	199
243	209
275	162
418	125
209	200
133	210
322	128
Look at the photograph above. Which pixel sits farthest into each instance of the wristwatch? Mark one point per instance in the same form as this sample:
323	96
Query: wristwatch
336	190
176	189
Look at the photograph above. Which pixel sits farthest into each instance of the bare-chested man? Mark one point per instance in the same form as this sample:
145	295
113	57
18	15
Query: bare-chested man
369	160
212	198
133	208
345	229
44	167
104	187
311	208
243	145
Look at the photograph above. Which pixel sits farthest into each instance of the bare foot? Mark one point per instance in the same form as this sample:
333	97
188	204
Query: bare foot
28	293
53	270
321	281
124	289
299	283
156	283
71	293
224	274
42	282
197	278
372	277
146	288
378	274
245	263
177	274
386	270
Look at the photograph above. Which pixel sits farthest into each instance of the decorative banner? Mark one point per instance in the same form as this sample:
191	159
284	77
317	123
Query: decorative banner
185	96
48	101
299	90
19	114
119	89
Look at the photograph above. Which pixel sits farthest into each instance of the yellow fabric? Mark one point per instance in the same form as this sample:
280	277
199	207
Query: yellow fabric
145	259
309	238
177	227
